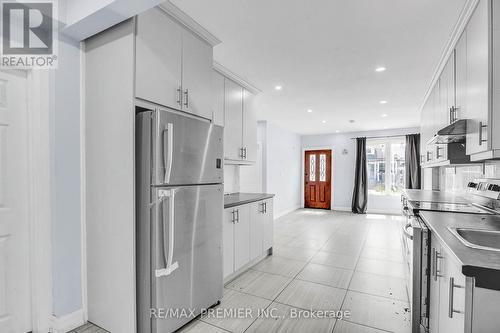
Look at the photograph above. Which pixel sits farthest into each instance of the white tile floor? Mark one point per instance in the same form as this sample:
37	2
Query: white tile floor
322	261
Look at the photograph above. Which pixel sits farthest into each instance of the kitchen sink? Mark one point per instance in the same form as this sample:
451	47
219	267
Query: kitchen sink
478	238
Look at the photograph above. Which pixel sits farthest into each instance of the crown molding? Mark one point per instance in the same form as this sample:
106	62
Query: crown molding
458	29
236	78
187	21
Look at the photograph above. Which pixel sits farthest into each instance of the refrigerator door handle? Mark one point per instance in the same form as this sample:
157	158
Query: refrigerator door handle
169	147
170	267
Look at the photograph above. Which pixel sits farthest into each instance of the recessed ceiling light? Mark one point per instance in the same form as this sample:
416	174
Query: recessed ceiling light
384	115
380	69
337	131
309	110
383	102
324	121
278	87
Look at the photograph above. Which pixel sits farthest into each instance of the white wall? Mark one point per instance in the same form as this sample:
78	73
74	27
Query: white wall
282	175
343	168
65	146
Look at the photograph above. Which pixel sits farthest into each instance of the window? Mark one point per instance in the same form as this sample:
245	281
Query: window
312	167
386	166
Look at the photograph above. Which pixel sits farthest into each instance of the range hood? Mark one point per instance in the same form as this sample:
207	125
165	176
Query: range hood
453	133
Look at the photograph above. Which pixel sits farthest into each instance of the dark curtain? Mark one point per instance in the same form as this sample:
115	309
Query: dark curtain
360	193
412	161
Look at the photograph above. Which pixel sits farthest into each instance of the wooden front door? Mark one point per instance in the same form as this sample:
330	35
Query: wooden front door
317	179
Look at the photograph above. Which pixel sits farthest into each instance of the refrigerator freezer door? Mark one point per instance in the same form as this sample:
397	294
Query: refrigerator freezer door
186	149
185	246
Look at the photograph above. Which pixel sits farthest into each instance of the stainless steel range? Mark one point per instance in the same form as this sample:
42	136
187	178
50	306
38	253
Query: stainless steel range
480	197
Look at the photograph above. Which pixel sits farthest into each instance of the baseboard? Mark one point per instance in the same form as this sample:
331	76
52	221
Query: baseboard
342	209
288	211
384	212
67	323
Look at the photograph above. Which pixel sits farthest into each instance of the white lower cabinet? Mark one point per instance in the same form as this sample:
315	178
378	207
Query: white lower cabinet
247	234
241	236
447	291
268	225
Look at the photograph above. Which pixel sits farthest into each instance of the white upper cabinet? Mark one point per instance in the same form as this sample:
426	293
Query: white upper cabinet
173	66
233	121
240	125
461	77
478	83
218	90
197	60
249	140
158	59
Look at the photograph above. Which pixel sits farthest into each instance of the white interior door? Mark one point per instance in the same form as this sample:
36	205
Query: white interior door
15	290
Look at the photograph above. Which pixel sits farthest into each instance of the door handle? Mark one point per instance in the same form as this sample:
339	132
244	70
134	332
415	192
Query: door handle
452	286
481	126
170	266
168	154
186	102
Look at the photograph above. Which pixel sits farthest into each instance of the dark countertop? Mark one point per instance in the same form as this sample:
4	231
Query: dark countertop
484	265
433	196
237	199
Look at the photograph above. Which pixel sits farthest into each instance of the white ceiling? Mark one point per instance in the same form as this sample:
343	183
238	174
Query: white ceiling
324	54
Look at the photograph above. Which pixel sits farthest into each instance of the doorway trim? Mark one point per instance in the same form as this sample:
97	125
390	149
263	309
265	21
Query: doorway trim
39	198
303	167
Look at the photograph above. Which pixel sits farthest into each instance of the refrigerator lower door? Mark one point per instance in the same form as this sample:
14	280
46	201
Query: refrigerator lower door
186	253
185	149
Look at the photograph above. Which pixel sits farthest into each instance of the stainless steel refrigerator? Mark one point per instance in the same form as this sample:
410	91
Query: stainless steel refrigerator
179	218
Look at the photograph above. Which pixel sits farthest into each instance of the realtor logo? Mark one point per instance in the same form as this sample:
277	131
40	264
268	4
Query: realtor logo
28	34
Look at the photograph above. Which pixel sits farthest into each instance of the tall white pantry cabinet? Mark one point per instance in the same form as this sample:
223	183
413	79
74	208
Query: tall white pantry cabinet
151	58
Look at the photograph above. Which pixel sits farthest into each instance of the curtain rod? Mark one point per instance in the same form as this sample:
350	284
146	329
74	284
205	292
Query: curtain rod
385	136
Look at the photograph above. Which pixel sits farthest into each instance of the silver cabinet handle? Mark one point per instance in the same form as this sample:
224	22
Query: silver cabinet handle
435	256
262	208
245	152
186	101
241	152
168	148
452	286
481	126
405	231
265	207
179	96
438	149
237	216
233	219
451	115
170	266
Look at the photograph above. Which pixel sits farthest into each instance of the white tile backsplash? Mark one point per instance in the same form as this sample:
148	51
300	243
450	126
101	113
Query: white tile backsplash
231	178
455	178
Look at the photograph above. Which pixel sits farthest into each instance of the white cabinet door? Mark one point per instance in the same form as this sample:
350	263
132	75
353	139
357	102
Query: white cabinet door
478	80
461	77
241	236
268	224
218	98
233	120
197	61
434	297
249	127
452	296
158	58
228	241
256	229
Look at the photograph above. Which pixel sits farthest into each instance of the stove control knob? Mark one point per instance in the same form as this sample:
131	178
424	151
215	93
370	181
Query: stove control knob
472	185
494	188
